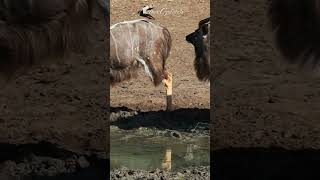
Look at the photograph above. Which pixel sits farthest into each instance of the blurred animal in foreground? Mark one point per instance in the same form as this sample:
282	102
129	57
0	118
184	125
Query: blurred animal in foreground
32	31
296	24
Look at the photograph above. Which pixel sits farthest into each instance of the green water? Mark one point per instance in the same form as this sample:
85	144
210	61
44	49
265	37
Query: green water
147	152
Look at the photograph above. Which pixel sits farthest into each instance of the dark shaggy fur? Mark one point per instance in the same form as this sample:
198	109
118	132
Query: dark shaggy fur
203	21
31	31
297	29
202	49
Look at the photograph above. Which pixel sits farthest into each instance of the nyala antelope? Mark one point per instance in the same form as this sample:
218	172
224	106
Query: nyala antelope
140	43
200	39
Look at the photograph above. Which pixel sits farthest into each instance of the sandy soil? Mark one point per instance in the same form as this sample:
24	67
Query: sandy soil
61	102
261	101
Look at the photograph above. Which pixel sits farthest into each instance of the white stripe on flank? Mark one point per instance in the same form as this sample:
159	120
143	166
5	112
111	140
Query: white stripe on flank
138	36
115	42
151	33
146	42
146	67
131	40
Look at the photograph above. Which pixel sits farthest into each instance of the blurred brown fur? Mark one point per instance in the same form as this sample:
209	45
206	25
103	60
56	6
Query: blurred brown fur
32	31
297	26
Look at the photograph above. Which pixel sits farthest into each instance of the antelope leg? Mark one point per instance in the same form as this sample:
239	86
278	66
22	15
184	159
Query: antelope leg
168	85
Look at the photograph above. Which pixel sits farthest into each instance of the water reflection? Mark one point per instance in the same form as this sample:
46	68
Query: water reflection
189	153
167	160
147	153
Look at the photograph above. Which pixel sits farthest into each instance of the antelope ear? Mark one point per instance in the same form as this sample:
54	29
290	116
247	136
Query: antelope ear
205	29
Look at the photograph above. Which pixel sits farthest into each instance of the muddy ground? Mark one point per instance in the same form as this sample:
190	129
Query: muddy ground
137	103
260	100
187	173
53	117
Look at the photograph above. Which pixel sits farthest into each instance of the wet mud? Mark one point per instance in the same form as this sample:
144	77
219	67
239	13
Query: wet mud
196	173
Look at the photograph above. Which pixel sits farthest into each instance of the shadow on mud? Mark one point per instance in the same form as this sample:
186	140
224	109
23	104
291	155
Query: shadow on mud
265	164
179	119
45	161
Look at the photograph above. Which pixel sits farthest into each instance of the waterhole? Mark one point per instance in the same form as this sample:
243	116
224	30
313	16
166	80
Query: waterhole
149	149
